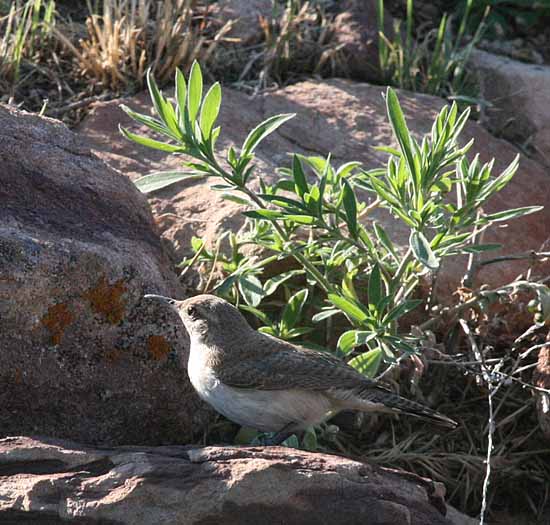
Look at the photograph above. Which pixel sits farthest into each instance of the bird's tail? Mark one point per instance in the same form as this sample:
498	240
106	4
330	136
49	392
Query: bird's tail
382	400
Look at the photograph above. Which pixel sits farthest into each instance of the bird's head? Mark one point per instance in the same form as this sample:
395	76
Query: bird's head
206	315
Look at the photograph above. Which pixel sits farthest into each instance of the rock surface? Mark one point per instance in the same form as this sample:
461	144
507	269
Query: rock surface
519	94
356	30
245	17
338	116
81	355
45	479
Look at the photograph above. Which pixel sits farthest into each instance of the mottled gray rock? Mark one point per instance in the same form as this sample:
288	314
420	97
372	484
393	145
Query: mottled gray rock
81	356
47	479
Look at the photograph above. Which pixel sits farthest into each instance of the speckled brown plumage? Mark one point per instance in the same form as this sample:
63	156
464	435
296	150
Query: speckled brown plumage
226	351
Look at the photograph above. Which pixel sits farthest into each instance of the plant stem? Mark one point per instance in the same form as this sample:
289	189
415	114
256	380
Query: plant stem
308	265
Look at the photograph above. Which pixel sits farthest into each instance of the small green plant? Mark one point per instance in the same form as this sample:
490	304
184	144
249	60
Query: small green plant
25	25
506	19
312	214
433	63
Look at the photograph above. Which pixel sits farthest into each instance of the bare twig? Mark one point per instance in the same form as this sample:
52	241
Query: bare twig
489	376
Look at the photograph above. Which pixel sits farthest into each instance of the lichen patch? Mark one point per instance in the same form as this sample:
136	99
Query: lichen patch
107	299
56	320
158	347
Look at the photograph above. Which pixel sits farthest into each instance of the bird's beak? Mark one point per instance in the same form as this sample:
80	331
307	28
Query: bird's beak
167	300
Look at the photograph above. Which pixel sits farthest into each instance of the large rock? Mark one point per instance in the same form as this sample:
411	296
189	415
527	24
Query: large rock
338	116
519	94
81	355
52	480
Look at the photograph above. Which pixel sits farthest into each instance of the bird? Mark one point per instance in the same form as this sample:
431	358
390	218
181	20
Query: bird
259	381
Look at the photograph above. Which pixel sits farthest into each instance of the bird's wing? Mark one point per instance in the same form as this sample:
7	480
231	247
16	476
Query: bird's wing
273	364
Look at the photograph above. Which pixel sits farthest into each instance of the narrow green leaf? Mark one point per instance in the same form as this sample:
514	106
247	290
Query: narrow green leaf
350	207
375	286
196	243
367	363
301	219
511	214
271	285
150	122
210	109
349	308
283	202
384	239
324	314
421	250
293	309
262	316
400	129
346	169
194	93
348	287
237	199
300	181
346	342
162	179
151	143
161	105
362	337
401	310
298	332
181	94
263	214
262	130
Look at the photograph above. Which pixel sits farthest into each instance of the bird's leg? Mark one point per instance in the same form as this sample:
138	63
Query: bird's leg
280	436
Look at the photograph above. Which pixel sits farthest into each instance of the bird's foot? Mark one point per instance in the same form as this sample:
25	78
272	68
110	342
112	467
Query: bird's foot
279	438
285	436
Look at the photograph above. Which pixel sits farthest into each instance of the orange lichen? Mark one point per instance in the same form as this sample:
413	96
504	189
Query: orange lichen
56	320
158	346
107	299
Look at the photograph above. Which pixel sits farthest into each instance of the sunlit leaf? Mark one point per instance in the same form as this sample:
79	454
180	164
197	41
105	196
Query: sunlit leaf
162	179
251	289
349	308
210	109
367	363
421	250
194	91
261	131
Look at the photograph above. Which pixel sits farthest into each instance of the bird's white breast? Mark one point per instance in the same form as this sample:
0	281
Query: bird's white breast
265	410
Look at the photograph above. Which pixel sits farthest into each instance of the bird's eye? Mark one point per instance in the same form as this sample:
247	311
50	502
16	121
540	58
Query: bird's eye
191	311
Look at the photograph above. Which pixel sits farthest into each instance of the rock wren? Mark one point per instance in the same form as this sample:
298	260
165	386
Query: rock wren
271	385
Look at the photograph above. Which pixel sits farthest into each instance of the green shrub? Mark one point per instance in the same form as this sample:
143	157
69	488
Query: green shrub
432	62
312	214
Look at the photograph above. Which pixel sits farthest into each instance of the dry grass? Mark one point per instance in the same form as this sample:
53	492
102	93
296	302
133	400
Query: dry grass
106	53
126	37
491	360
297	41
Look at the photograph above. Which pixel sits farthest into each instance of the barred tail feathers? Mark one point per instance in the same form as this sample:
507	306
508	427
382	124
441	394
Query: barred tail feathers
380	400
